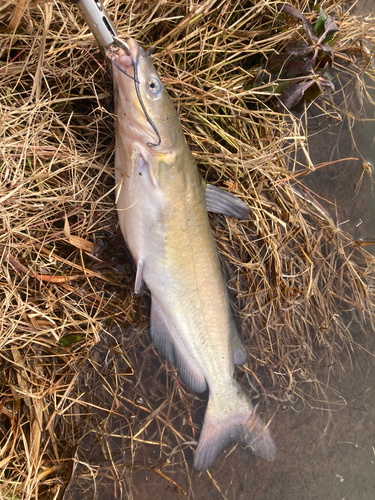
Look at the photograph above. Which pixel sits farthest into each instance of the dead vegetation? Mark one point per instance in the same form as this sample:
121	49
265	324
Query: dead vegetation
83	394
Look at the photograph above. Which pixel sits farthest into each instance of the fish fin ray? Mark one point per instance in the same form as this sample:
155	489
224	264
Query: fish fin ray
260	440
239	351
222	202
165	338
240	424
140	167
138	162
139	277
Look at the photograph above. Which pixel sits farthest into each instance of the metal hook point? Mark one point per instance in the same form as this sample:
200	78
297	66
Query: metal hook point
123	45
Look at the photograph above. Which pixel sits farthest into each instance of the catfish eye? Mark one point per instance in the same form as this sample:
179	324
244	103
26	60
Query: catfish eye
154	86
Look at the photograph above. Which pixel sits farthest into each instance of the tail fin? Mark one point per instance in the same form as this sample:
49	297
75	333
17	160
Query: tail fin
221	427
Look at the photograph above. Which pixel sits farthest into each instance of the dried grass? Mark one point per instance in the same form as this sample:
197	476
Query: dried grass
298	284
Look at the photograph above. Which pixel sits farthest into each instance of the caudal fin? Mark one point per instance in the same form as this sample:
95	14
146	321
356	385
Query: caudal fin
239	424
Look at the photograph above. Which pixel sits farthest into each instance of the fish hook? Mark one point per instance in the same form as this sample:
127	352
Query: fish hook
136	83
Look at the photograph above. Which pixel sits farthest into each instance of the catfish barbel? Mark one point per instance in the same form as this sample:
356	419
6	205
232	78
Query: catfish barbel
162	204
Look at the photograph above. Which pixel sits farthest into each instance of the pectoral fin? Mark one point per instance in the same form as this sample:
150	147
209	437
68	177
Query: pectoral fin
239	352
141	168
166	340
138	165
222	202
139	277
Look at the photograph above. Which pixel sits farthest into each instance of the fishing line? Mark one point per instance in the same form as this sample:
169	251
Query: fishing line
123	71
136	82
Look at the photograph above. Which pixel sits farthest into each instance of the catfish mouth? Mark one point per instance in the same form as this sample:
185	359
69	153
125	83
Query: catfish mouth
128	65
126	62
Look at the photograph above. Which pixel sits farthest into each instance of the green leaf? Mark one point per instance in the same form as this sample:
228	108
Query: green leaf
330	29
70	339
319	23
281	87
312	93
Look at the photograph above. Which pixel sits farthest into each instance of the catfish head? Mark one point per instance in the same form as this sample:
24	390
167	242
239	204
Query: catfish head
145	113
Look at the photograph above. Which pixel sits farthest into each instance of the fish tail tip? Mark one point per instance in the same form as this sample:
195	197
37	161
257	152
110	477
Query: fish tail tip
262	442
218	432
210	445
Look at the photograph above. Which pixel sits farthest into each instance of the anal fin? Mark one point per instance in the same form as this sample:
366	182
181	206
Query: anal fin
166	340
